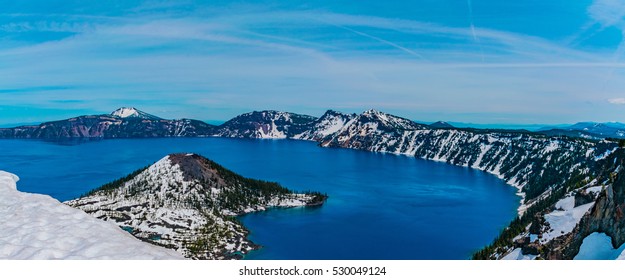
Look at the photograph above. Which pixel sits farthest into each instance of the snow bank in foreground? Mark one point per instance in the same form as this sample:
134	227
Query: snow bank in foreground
34	226
598	246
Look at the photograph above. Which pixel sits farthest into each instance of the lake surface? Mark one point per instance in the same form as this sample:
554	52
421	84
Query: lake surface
381	206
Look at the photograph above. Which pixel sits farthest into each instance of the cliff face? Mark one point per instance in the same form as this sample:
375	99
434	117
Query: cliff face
606	216
185	202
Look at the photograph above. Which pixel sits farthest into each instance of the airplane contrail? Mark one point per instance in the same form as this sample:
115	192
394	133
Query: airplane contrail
409	51
471	20
383	41
472	26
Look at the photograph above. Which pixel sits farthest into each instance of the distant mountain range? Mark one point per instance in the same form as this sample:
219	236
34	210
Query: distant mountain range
588	130
441	124
128	122
132	123
122	123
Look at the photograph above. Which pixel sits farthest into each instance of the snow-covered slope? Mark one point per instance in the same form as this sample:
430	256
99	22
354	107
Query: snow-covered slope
330	123
185	202
388	121
564	218
265	125
605	216
565	223
34	226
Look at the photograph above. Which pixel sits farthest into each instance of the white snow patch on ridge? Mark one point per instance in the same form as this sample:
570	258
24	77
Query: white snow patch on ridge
553	145
34	226
594	190
605	155
126	112
564	219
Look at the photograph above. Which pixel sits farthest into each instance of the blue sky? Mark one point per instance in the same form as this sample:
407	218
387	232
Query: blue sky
477	61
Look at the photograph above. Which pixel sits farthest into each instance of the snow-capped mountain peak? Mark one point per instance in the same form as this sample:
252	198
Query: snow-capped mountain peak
388	120
328	124
371	112
125	112
131	112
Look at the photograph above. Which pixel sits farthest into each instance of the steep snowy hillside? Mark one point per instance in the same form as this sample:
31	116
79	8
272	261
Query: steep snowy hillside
531	162
370	127
568	215
37	226
605	196
186	202
328	124
265	124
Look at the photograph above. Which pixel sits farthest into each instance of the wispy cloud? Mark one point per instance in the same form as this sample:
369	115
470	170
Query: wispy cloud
608	12
617	101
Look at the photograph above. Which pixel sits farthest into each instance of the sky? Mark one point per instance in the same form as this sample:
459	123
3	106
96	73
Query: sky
473	61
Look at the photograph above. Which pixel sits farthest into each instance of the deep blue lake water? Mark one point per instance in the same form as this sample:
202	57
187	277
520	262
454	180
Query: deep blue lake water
381	206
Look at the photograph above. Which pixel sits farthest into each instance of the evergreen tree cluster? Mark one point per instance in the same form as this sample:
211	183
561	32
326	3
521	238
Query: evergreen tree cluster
517	226
109	187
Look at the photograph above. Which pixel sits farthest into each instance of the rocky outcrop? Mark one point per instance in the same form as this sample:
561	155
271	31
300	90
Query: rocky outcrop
607	216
